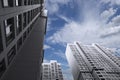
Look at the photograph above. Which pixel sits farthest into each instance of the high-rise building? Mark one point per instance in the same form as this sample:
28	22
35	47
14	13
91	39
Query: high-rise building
92	62
52	71
22	29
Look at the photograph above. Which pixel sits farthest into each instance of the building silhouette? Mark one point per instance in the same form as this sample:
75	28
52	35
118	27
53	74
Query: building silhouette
92	62
22	30
52	71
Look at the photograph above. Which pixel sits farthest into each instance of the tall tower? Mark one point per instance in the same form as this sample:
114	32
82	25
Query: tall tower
92	62
22	30
52	71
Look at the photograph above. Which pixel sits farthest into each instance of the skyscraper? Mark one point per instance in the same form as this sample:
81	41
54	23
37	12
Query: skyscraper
92	62
52	71
22	30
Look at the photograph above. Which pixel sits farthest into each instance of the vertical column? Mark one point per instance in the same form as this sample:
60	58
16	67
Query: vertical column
3	34
1	4
15	30
22	2
3	40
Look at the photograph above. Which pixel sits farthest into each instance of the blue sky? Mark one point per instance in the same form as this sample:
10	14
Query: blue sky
87	21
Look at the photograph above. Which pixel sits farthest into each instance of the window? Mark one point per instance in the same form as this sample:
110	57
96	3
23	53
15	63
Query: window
19	43
11	54
98	72
9	29
88	79
24	35
32	14
42	1
29	2
102	79
24	20
100	76
28	30
1	45
29	16
19	23
25	2
2	67
18	2
31	26
7	3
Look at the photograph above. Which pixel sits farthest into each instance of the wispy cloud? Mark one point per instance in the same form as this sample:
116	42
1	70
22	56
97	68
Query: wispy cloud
46	61
115	21
106	14
94	24
60	54
113	31
49	23
111	2
64	18
46	46
54	5
65	65
67	74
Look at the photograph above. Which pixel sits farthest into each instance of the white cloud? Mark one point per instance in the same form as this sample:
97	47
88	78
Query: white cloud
112	2
87	33
115	21
59	1
67	74
49	23
47	46
105	15
54	8
108	32
46	61
74	31
112	42
64	18
60	54
54	5
117	52
90	29
65	65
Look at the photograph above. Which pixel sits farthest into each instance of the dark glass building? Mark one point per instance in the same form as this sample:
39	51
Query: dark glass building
22	30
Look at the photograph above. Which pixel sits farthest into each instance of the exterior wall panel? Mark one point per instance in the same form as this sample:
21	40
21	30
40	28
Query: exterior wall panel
21	57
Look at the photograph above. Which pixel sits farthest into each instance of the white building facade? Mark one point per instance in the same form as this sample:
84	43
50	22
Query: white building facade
52	71
92	62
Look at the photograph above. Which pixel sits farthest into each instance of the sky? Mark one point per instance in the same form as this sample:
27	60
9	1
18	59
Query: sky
87	21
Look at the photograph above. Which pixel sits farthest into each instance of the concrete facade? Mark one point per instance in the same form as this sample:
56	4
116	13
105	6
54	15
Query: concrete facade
22	30
52	71
92	62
